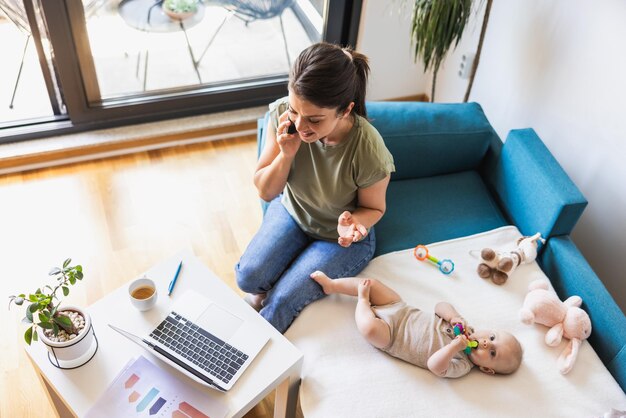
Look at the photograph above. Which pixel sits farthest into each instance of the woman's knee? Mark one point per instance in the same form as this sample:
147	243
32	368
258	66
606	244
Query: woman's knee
247	278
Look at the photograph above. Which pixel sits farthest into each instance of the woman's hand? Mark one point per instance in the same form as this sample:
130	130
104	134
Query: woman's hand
288	143
349	229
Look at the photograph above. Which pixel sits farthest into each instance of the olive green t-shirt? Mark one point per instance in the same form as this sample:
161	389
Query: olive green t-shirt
323	180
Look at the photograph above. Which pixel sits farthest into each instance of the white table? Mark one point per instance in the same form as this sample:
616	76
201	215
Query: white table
73	392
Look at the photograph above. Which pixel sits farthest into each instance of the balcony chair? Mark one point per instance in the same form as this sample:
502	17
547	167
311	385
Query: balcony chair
252	10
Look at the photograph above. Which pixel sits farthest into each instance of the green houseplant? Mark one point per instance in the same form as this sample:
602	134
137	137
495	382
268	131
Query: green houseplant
435	26
66	331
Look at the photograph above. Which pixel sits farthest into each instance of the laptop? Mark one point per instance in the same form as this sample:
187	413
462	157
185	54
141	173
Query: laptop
204	341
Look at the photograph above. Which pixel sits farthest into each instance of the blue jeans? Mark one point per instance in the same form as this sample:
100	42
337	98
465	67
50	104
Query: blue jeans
280	259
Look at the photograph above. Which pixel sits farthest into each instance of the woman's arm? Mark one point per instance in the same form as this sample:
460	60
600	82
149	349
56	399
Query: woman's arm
275	161
371	207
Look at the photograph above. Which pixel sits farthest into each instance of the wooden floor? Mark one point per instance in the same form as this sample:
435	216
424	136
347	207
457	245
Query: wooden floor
117	217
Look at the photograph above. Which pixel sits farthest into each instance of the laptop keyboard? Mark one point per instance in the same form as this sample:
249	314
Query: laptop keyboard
199	347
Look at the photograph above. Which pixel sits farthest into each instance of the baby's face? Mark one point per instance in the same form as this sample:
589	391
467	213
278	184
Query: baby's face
498	351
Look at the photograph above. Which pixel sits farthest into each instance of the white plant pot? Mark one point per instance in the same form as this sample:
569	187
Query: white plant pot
75	352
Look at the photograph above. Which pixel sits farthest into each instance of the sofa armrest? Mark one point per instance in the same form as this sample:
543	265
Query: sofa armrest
570	275
532	188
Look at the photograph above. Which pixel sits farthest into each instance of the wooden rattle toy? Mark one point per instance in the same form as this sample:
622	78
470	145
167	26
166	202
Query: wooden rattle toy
446	266
458	330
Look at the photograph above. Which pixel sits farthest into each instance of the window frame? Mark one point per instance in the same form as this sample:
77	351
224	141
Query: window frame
76	75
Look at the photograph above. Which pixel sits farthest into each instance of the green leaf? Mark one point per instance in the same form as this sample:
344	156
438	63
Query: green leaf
35	336
66	290
79	275
55	329
28	335
54	271
43	317
33	307
26	320
29	315
46	325
67	262
72	280
63	320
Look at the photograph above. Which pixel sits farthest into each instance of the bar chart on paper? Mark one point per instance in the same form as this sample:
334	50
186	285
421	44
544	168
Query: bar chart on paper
144	390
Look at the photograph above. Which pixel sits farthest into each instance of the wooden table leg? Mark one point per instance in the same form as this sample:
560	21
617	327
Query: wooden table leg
57	402
286	400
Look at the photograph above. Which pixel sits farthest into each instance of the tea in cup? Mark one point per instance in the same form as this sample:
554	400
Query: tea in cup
143	293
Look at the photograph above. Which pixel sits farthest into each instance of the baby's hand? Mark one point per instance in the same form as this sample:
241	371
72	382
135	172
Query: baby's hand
458	320
461	342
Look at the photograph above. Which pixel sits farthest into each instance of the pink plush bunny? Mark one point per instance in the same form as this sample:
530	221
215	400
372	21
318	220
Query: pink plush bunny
565	319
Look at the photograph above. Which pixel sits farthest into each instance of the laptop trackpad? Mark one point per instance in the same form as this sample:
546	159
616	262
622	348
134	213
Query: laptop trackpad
219	322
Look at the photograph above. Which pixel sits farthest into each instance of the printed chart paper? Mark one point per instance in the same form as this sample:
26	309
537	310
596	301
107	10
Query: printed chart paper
144	390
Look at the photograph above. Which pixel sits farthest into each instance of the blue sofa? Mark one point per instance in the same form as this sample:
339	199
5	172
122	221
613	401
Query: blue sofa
454	177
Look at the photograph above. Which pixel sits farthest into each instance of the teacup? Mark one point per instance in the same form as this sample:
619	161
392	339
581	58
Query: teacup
142	293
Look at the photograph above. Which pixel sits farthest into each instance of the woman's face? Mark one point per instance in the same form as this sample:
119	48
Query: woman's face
313	123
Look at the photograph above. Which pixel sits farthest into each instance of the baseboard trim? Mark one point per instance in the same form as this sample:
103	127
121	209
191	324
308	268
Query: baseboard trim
81	153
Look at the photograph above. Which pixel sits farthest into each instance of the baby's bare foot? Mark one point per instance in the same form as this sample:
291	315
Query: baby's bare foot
324	281
364	289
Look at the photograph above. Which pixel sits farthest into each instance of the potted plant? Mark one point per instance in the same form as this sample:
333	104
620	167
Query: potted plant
180	9
66	331
435	25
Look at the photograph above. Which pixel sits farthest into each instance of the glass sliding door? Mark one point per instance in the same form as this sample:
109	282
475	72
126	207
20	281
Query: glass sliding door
28	92
136	47
127	61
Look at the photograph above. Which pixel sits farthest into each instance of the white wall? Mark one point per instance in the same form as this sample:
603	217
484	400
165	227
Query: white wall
384	38
559	67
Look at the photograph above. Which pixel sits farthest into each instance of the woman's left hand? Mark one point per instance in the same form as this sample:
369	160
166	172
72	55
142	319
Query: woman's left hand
349	229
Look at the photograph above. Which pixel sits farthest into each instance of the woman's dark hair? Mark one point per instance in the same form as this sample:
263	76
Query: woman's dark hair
330	76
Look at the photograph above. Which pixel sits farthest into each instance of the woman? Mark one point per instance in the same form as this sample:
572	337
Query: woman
326	183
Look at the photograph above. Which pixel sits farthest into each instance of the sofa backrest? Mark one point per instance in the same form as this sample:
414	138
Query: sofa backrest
429	139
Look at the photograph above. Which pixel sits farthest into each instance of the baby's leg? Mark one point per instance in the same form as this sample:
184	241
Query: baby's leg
379	294
375	330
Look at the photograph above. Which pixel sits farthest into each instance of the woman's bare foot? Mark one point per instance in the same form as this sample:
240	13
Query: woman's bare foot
364	289
324	281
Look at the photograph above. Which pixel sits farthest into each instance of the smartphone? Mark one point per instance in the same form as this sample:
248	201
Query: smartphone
292	127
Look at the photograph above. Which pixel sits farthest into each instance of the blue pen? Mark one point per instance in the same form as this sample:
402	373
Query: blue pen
173	282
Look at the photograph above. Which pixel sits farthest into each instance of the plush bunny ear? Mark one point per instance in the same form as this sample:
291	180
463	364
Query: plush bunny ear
568	357
554	335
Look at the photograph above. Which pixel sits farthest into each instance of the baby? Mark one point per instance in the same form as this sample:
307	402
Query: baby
423	339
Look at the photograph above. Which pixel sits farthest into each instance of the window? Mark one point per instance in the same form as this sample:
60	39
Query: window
127	61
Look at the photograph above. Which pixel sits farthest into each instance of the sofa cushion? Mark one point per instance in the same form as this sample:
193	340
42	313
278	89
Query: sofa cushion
432	209
429	139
